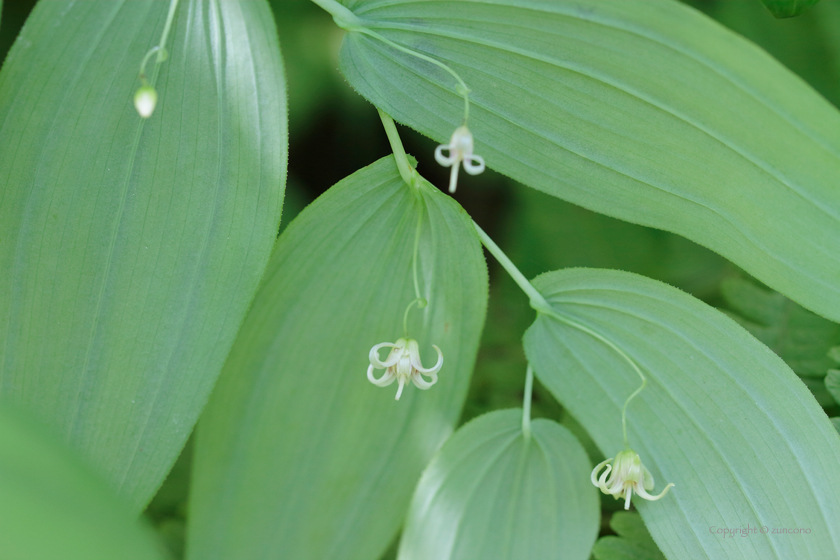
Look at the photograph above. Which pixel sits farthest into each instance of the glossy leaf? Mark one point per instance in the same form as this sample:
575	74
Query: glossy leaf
53	506
298	455
645	111
788	8
722	416
130	249
490	493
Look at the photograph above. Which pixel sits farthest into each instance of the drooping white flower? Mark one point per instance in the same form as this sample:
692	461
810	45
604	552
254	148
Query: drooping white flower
460	150
628	475
403	364
145	100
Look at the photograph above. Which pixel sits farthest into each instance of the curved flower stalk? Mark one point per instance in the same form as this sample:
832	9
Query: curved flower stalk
628	475
460	149
403	365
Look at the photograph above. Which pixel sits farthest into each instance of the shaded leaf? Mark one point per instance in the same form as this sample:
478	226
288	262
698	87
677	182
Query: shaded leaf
633	543
801	338
672	121
832	383
788	8
722	416
490	493
53	506
298	455
809	45
130	249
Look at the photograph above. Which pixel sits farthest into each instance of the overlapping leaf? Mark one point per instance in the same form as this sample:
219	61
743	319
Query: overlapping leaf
494	494
801	338
53	506
298	455
130	249
645	111
632	543
722	416
788	8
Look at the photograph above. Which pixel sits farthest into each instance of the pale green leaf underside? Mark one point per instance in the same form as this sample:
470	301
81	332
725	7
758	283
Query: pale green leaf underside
298	455
645	111
722	416
53	506
492	494
129	250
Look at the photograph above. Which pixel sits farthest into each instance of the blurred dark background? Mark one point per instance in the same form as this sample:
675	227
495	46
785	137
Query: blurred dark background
334	132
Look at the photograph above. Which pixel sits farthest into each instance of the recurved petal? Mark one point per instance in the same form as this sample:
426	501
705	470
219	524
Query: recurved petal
643	493
421	383
602	482
389	361
415	361
474	164
386	379
443	160
594	476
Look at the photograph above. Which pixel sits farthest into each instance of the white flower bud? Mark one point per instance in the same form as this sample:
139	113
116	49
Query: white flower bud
145	100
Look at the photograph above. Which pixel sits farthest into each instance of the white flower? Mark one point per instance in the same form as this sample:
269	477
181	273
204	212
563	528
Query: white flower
145	100
403	364
628	475
460	150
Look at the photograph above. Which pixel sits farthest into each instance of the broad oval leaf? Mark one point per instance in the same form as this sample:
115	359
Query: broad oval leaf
722	416
130	249
492	493
54	506
645	111
298	455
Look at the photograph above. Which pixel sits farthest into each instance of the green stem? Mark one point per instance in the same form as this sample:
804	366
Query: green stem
539	303
160	48
526	402
397	148
421	303
415	256
618	351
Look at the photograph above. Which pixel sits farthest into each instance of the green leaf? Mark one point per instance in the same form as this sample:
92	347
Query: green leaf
633	543
836	422
53	506
298	455
491	493
130	249
788	8
801	338
808	45
645	111
722	416
832	383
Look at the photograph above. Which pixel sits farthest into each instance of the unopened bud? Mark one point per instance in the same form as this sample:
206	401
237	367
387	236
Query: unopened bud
145	100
